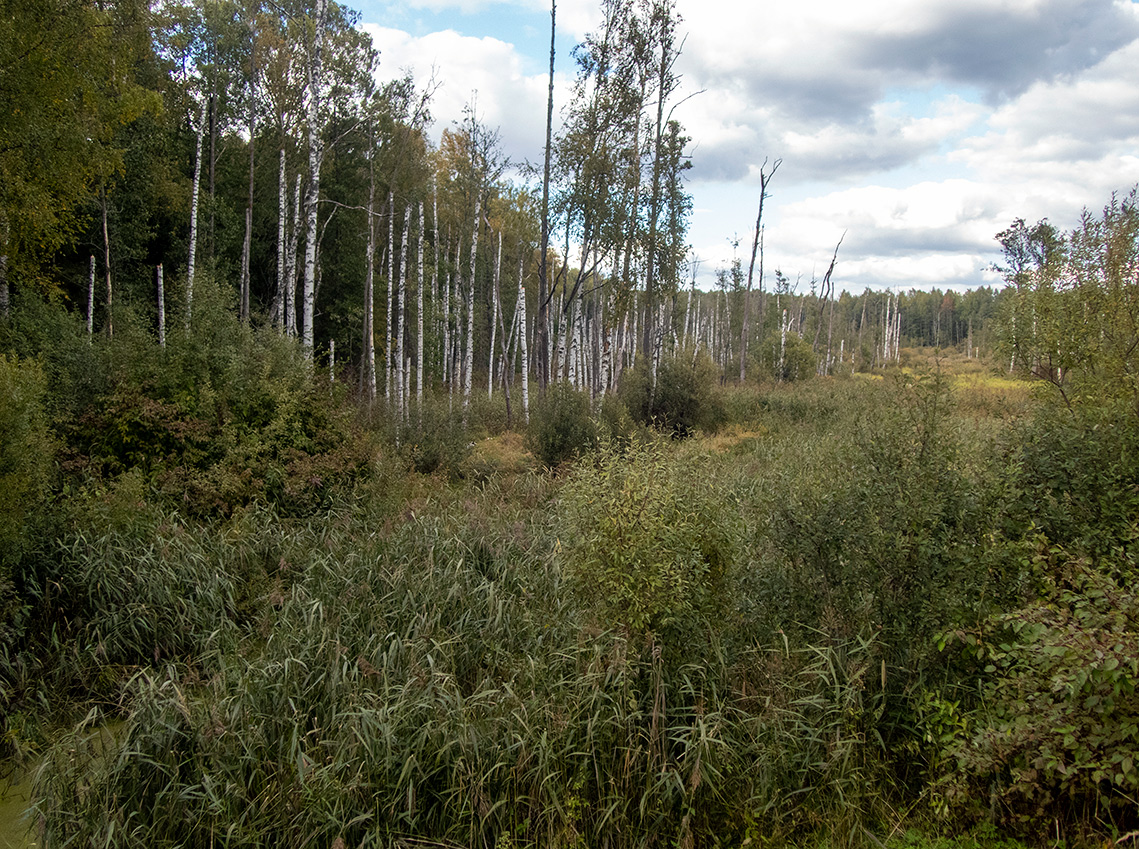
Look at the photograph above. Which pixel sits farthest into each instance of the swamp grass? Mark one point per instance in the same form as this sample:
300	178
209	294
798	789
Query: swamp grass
426	663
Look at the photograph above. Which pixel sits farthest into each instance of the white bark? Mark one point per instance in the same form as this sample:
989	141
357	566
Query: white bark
470	355
196	192
91	297
278	310
389	335
370	293
397	348
161	309
419	319
523	326
291	270
312	196
494	318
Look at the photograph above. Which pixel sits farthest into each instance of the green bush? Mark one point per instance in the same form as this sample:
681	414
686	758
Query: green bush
435	439
683	399
561	425
649	543
27	455
786	359
1057	730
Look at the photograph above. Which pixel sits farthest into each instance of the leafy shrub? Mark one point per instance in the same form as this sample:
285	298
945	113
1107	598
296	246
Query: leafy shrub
647	541
786	359
561	425
683	399
26	449
435	439
27	453
1077	476
1059	728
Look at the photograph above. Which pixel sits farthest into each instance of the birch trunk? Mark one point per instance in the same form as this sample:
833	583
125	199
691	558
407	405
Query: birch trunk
369	365
446	358
291	270
197	190
277	312
161	310
107	270
312	196
495	317
419	320
389	315
91	297
469	362
247	246
522	327
397	348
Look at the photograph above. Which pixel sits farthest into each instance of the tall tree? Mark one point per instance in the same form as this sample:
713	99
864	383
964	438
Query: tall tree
764	178
542	327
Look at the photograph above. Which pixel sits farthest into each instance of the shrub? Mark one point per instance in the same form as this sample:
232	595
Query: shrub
26	459
435	440
786	360
1058	732
648	543
561	425
683	399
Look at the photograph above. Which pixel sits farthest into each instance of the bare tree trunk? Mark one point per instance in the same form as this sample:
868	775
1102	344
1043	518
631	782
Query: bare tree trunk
107	270
312	196
193	220
419	321
291	271
248	244
446	358
495	318
764	179
389	316
368	367
91	297
276	313
401	311
542	331
469	363
161	309
454	363
523	325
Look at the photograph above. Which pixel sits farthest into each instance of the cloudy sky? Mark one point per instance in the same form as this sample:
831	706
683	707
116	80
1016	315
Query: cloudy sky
920	128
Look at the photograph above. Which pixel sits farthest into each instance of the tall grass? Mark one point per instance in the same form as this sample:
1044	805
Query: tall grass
438	680
702	644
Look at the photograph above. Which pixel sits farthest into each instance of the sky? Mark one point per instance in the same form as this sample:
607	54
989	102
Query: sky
917	128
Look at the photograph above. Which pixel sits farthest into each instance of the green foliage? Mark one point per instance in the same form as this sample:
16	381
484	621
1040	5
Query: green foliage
26	465
26	449
561	425
786	358
1077	476
221	417
1073	306
683	399
649	544
435	440
1058	731
891	543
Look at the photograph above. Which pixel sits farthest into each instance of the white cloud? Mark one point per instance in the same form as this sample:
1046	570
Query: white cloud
919	127
485	71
